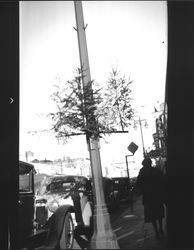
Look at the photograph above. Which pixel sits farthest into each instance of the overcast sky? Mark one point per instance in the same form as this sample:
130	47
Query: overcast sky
131	36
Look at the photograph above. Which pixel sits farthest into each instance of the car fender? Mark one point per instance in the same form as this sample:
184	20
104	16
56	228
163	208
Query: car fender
55	225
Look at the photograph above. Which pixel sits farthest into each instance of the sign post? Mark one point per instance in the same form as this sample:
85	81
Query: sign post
132	148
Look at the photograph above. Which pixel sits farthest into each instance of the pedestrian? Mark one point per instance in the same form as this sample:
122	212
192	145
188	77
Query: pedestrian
83	213
151	184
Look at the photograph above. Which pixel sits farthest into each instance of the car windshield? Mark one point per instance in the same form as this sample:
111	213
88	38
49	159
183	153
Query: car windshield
60	186
65	184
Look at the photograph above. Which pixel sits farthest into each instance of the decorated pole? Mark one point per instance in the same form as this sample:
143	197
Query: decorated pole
103	237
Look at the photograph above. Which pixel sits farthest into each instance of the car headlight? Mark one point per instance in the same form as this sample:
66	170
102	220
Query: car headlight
53	205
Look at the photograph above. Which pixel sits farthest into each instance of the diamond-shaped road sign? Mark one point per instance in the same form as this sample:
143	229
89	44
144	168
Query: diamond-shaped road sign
132	147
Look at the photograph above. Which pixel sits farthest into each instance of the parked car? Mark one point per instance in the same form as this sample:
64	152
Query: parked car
56	193
41	223
111	194
124	188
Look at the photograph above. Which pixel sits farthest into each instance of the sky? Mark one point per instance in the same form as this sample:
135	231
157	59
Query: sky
128	35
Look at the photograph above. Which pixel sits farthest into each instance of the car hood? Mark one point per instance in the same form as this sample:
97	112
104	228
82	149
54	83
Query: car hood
60	198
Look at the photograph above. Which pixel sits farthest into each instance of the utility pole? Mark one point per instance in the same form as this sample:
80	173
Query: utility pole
103	237
142	135
140	124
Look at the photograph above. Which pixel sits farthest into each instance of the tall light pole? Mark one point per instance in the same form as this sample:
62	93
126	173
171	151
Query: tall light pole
142	136
140	124
103	237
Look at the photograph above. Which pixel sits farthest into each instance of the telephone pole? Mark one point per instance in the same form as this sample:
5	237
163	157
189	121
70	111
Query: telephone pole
139	121
103	237
144	153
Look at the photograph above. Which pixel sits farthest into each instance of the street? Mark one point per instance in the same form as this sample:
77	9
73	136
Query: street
131	231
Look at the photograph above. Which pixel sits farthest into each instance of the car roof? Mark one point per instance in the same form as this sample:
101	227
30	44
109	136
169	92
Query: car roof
68	178
25	167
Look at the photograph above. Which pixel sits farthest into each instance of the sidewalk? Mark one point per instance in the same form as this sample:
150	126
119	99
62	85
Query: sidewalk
130	230
133	233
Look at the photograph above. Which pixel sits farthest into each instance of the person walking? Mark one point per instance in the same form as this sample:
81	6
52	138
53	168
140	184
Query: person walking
151	184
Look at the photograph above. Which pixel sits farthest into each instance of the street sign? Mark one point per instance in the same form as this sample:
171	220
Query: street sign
132	147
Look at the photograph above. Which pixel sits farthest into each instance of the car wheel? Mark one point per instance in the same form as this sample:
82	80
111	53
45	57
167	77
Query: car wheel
67	236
